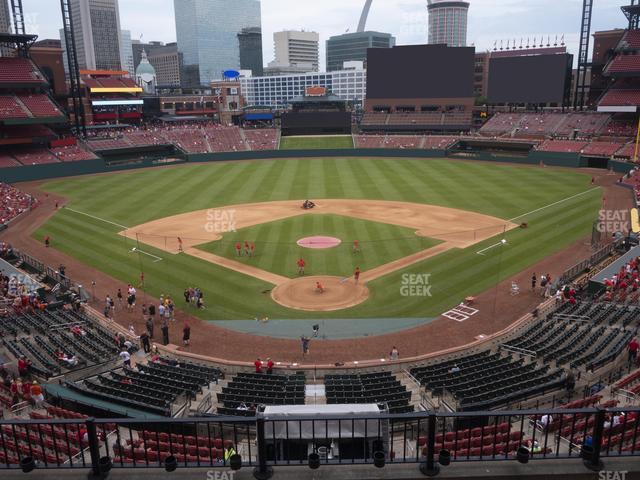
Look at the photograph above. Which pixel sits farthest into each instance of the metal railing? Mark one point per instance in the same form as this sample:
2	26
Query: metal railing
263	443
583	266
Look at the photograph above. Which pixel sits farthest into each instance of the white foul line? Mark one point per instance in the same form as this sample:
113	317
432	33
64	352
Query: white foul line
96	218
554	203
157	259
480	252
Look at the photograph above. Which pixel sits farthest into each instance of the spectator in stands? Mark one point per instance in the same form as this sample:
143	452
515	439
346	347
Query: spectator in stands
186	333
545	421
152	314
533	446
165	332
23	366
394	354
570	381
70	361
269	366
36	394
633	350
78	331
229	452
455	368
126	358
149	325
534	278
144	340
242	406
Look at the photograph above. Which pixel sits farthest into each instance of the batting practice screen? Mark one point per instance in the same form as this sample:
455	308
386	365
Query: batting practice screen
420	71
316	123
529	79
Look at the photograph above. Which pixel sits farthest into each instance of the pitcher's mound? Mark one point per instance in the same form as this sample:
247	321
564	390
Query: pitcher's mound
301	293
319	242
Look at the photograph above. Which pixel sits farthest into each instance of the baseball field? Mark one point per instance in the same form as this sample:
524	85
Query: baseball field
432	219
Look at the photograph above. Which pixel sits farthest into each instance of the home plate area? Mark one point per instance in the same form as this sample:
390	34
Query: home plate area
460	313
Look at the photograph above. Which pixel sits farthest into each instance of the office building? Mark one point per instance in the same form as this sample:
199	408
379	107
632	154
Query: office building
277	91
137	47
207	34
166	61
5	25
96	27
296	49
448	22
250	45
353	47
126	52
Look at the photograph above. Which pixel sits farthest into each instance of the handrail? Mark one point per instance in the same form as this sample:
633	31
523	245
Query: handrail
518	350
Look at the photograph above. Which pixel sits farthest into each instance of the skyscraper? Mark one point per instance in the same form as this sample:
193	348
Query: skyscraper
207	34
5	24
250	44
96	27
298	49
126	52
353	46
448	22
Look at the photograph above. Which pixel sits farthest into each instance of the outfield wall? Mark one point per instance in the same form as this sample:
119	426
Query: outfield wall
88	167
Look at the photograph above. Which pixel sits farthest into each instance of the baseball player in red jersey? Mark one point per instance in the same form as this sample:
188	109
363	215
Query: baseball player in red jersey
356	275
238	249
356	246
301	265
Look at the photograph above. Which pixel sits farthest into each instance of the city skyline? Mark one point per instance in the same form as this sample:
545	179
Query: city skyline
489	20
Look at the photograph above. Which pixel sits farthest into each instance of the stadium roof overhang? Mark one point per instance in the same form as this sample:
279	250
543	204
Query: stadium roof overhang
34	121
17	40
103	73
116	90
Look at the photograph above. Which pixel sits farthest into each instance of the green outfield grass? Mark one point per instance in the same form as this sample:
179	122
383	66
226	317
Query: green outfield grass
277	250
315	143
500	190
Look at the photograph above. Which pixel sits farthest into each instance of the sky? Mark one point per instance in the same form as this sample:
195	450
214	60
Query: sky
489	20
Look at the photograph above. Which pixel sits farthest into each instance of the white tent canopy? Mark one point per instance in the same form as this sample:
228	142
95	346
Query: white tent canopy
322	421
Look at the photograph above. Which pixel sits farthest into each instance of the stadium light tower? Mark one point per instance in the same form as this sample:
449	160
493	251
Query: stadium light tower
363	17
583	55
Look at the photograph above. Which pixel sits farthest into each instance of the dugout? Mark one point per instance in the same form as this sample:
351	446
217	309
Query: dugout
158	153
342	432
495	147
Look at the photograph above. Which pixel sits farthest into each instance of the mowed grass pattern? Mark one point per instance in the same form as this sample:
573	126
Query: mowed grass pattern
277	250
316	143
500	190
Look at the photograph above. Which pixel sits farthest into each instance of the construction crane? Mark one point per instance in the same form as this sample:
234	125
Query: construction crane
363	18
